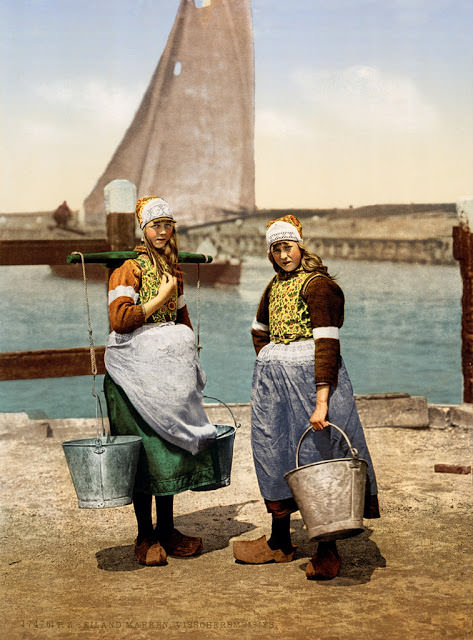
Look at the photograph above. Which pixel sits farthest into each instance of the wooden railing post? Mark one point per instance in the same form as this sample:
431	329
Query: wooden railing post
121	231
463	252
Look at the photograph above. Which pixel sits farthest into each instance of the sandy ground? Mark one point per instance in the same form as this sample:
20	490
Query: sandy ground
70	573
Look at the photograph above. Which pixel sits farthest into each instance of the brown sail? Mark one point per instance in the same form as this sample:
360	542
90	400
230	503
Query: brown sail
192	138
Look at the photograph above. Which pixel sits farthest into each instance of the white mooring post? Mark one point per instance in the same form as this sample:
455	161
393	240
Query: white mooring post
120	201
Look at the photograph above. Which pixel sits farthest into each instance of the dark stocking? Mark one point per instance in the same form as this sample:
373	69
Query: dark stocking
142	505
281	534
164	516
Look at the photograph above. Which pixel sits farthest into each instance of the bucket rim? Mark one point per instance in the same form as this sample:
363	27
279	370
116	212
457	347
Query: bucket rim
92	441
321	462
231	430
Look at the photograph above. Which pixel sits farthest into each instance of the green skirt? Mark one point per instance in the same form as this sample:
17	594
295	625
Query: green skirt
163	468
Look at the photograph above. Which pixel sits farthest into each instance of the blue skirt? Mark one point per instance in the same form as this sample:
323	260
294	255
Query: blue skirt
282	401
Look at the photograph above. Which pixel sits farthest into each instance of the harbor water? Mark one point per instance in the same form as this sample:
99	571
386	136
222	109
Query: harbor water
401	332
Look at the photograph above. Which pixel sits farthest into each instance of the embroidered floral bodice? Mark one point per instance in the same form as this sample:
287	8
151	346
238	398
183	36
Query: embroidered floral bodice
149	289
289	318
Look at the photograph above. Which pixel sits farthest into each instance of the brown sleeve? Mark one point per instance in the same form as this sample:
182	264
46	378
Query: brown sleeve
123	287
326	302
182	312
260	326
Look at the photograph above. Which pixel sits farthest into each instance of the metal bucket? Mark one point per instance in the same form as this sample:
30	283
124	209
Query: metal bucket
224	452
103	469
330	494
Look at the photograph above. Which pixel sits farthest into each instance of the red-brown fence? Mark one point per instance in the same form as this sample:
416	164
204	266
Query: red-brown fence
75	361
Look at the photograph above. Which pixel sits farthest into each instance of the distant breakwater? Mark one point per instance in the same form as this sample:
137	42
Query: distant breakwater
234	239
244	236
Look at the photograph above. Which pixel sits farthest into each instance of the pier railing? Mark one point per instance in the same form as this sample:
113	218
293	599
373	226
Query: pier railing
48	363
73	361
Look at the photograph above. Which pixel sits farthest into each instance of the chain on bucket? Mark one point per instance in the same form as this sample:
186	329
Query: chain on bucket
100	425
199	346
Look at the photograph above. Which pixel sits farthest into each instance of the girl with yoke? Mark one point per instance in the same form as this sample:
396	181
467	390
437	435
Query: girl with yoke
154	384
295	384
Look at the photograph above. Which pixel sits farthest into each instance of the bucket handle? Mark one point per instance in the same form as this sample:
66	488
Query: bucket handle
354	452
93	365
98	446
237	426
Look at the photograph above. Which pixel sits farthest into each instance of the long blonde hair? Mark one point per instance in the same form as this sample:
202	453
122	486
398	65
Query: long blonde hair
165	260
310	263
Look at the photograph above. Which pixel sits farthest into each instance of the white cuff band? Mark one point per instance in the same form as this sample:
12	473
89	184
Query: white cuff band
326	332
258	326
122	291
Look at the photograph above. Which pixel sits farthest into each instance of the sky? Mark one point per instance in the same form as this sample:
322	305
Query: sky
358	102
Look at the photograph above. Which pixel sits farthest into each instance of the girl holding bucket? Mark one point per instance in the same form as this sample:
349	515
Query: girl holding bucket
154	384
295	384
